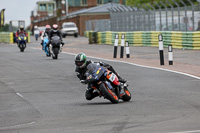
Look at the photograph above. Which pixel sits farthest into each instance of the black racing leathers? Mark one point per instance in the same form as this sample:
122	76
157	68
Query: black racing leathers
89	94
55	33
80	72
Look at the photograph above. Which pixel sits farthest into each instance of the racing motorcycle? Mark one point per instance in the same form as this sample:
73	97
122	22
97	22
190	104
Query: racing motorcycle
46	47
22	40
106	83
55	47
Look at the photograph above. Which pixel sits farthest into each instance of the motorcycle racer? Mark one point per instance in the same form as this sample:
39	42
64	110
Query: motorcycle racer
81	63
20	31
45	33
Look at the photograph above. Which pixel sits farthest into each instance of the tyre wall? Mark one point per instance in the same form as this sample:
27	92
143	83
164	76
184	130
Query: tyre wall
182	40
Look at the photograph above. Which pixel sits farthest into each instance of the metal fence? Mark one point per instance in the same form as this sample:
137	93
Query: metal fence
144	18
98	25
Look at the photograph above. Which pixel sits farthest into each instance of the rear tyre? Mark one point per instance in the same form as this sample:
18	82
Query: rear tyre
108	94
127	95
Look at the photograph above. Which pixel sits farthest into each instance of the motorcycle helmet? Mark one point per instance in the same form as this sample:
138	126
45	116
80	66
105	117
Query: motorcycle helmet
21	27
55	27
47	28
80	60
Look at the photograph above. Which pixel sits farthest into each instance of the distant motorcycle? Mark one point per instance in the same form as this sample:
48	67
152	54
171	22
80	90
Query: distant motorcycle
22	40
104	82
55	46
46	47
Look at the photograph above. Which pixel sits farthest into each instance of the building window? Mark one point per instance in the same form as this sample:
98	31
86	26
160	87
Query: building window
50	7
42	7
74	2
84	2
115	1
99	2
71	3
124	2
59	4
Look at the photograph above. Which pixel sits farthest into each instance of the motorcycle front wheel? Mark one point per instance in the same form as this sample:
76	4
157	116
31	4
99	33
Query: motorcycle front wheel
55	51
108	94
47	51
127	95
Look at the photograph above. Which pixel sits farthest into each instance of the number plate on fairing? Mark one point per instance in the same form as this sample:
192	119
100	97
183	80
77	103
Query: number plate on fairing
112	77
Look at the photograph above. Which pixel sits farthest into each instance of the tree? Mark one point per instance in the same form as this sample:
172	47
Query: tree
136	2
5	28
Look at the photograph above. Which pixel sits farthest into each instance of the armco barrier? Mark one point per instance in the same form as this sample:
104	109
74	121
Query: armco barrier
182	40
7	37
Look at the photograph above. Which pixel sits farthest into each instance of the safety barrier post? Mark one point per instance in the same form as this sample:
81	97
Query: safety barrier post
116	45
170	55
127	50
122	46
160	38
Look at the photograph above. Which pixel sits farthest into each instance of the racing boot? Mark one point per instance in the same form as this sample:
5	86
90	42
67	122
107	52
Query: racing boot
122	92
91	94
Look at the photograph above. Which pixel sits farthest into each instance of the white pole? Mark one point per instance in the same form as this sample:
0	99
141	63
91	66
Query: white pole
127	50
116	45
122	46
170	55
160	38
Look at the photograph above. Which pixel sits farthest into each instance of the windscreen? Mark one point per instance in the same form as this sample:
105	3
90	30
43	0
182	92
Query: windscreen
69	26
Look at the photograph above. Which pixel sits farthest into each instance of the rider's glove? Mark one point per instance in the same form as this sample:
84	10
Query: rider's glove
101	63
62	43
83	81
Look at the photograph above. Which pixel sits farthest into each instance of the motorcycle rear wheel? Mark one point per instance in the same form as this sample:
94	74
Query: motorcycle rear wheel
108	94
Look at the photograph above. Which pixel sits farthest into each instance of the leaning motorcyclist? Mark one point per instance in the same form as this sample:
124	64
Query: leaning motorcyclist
20	31
55	32
45	34
81	63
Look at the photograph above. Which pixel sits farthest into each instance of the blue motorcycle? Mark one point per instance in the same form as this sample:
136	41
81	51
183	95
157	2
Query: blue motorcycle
46	47
22	40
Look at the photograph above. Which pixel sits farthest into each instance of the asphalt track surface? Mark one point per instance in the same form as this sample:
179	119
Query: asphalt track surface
42	95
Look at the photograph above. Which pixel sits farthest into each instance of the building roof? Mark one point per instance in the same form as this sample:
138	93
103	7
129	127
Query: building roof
41	2
93	10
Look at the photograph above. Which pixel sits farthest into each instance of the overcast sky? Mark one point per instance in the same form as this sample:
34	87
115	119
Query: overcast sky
18	9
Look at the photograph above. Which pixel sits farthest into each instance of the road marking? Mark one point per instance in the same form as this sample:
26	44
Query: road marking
194	131
186	74
15	126
19	95
189	75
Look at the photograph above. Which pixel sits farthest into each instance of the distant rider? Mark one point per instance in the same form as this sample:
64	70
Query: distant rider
55	32
21	31
45	33
81	68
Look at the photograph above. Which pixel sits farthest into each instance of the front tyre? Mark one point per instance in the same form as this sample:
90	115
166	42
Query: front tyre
55	51
127	95
108	94
21	50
